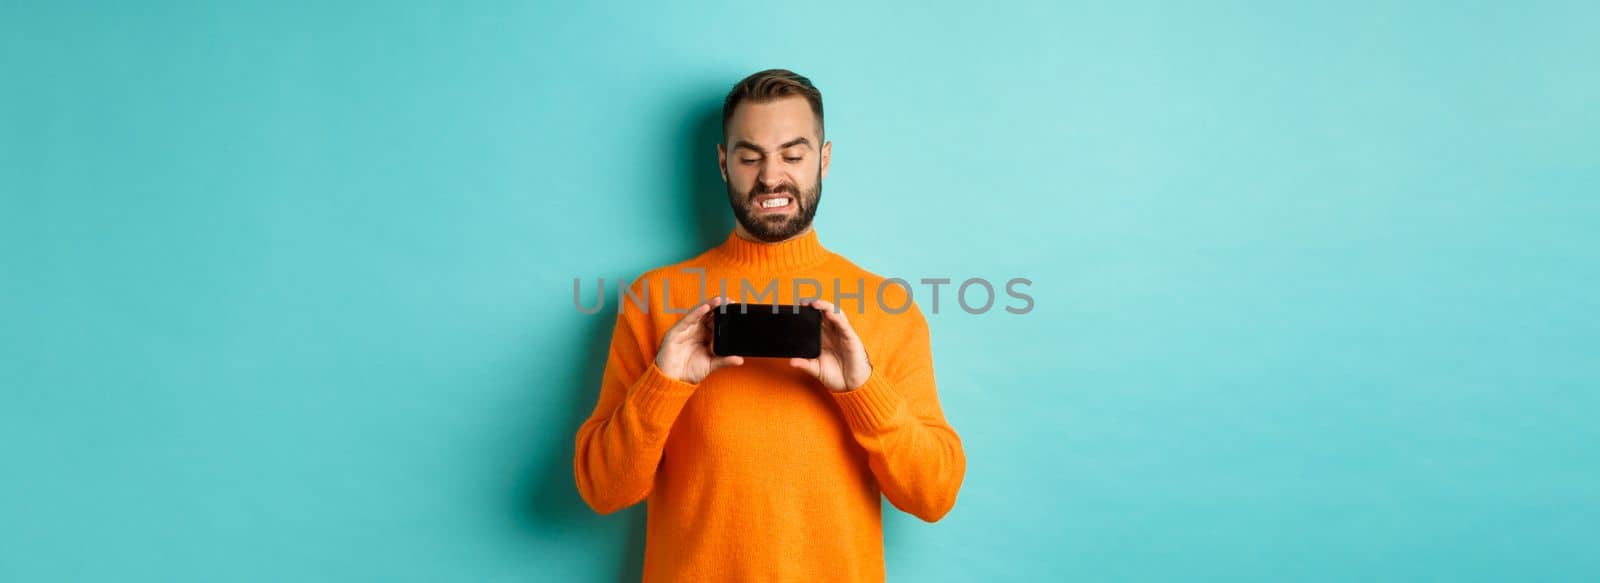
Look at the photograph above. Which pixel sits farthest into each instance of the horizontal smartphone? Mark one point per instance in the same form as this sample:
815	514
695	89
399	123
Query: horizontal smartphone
757	330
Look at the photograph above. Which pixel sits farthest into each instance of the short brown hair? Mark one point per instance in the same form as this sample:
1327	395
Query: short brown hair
769	85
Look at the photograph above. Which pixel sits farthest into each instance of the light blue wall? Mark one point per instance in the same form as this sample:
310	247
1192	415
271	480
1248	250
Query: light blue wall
287	286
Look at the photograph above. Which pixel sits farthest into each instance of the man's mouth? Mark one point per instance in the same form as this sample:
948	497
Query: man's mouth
774	202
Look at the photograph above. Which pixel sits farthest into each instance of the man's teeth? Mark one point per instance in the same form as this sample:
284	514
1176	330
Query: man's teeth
772	203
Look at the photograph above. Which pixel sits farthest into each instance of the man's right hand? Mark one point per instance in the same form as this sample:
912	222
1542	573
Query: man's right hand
685	351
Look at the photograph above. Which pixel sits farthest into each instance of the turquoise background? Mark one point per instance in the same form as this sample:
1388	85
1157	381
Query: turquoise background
288	285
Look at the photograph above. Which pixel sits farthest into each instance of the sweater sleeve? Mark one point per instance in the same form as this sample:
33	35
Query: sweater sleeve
620	445
912	450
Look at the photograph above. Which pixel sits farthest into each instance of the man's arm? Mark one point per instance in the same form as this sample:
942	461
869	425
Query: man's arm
620	446
893	409
895	416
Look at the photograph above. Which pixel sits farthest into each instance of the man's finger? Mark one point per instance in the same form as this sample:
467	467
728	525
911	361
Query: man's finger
841	324
810	365
695	315
714	303
707	317
726	361
828	312
695	327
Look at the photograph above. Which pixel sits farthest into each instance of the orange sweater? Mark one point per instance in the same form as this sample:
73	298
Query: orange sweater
760	473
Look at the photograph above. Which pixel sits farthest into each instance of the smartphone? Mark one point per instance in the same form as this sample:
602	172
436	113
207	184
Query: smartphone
766	330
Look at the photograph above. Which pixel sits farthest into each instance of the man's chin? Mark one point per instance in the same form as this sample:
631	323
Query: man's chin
772	229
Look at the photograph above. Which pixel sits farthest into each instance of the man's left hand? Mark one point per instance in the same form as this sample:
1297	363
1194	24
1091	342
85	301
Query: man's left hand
842	365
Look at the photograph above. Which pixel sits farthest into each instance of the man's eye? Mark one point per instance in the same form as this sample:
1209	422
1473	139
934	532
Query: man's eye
749	160
791	158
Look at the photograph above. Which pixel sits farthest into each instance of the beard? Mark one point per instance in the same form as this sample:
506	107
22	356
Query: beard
776	228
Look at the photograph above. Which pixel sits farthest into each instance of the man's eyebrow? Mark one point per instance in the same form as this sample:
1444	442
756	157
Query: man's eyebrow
800	141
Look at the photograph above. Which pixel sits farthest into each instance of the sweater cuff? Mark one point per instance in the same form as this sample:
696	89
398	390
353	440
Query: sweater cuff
659	397
871	406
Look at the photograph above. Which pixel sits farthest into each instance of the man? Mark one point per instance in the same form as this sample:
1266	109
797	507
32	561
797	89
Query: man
767	469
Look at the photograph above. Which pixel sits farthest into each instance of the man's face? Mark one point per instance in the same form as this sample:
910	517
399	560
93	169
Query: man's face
773	164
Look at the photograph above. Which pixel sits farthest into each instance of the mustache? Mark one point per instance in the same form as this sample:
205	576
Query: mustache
787	188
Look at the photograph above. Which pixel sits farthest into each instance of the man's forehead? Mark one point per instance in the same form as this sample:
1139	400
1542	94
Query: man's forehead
772	124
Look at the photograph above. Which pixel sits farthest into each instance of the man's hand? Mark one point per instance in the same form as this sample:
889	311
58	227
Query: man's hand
685	351
843	364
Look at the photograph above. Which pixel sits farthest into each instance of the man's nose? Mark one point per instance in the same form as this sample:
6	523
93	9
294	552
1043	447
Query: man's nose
770	180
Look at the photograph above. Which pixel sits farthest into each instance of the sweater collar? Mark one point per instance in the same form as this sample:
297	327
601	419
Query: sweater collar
802	251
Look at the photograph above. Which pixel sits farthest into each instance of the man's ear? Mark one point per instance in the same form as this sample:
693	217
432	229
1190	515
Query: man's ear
827	154
722	162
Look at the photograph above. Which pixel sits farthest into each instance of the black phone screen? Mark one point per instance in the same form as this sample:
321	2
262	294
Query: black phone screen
758	330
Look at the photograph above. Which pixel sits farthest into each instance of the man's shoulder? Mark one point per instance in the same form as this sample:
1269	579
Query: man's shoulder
891	295
690	268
